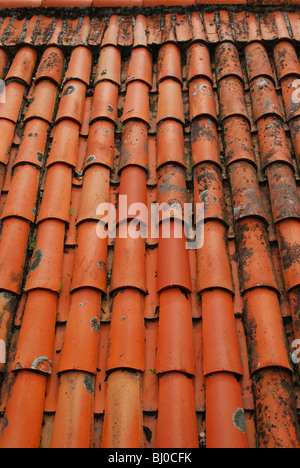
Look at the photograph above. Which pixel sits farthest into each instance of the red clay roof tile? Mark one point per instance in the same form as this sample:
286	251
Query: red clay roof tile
64	148
72	102
37	357
79	65
46	262
285	432
219	386
109	65
125	387
177	389
10	109
105	104
13	243
21	199
140	67
41	106
23	66
95	190
57	194
80	351
136	102
175	347
90	264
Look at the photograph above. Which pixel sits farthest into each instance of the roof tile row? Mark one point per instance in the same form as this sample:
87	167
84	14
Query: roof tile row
155	30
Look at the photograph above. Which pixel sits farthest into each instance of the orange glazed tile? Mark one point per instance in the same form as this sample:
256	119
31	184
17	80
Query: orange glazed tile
220	347
127	334
175	347
46	263
71	105
140	31
265	330
7	131
204	137
132	274
170	143
10	110
73	426
79	65
286	59
277	425
134	145
38	329
23	65
80	350
213	265
198	58
100	149
169	63
246	194
33	145
58	182
208	189
177	425
24	410
170	105
133	185
273	149
288	238
254	255
136	102
111	33
140	67
43	102
90	264
13	246
105	103
123	420
264	98
95	191
227	61
238	141
173	262
21	199
109	65
64	148
201	98
283	192
225	418
51	65
232	100
257	61
288	89
171	191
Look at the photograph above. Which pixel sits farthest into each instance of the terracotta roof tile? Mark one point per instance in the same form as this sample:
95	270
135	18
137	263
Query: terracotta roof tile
134	340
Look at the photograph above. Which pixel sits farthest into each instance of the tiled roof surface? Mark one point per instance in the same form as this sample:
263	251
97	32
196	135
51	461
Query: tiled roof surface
130	342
